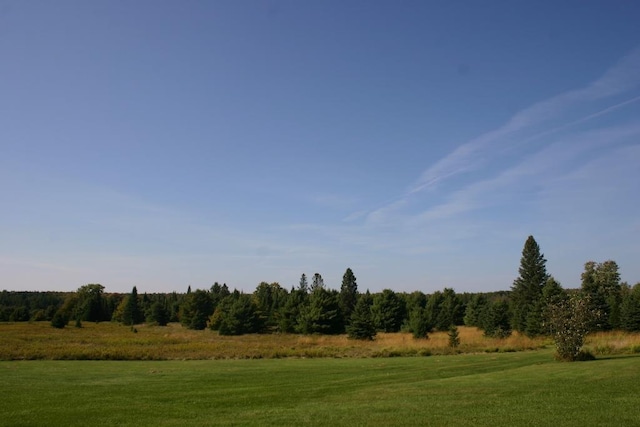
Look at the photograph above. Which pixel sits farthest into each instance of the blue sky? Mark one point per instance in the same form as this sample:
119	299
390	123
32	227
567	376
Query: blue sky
164	144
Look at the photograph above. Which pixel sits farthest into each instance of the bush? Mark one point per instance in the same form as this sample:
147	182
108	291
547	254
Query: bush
570	321
454	337
59	320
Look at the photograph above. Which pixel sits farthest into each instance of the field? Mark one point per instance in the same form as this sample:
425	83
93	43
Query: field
111	341
307	380
523	388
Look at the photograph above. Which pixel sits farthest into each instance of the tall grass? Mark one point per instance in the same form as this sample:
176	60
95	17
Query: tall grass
613	342
110	341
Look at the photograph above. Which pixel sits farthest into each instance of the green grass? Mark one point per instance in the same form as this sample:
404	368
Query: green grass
524	388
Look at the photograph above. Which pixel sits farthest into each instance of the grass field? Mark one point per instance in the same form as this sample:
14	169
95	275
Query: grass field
166	376
514	389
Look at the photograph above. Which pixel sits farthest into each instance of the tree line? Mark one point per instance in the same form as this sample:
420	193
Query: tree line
312	308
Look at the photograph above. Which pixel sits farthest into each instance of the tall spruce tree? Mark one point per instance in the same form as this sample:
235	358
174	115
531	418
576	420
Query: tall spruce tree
132	315
348	294
317	282
526	291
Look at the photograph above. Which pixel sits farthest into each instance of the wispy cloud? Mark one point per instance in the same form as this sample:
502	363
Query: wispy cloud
622	77
541	170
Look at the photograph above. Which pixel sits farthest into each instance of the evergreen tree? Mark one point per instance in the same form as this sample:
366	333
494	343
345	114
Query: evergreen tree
59	320
269	298
475	309
361	322
91	305
454	336
451	310
388	311
433	308
131	314
322	314
218	293
601	282
552	291
295	302
526	291
496	322
196	310
416	299
630	309
303	286
242	317
418	323
348	294
317	282
159	313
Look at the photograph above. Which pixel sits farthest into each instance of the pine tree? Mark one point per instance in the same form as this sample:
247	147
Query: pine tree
496	322
361	322
159	313
348	294
454	336
303	285
526	291
317	282
630	309
131	314
475	309
388	311
418	323
196	309
601	282
322	314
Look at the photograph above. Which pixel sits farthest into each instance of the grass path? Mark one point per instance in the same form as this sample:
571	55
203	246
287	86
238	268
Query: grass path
522	389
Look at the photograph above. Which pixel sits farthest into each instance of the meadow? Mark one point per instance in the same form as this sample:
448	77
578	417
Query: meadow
170	376
112	341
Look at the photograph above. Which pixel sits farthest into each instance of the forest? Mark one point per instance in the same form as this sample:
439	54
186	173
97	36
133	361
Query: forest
313	308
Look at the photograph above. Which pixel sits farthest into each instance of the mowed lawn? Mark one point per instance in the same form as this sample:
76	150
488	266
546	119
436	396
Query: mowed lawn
523	388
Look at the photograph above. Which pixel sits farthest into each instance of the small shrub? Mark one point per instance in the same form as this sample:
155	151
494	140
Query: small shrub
59	320
454	337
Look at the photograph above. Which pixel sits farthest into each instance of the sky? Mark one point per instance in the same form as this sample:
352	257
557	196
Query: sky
166	144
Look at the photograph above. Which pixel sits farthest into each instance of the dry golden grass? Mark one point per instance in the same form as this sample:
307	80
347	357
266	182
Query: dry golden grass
613	342
110	341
